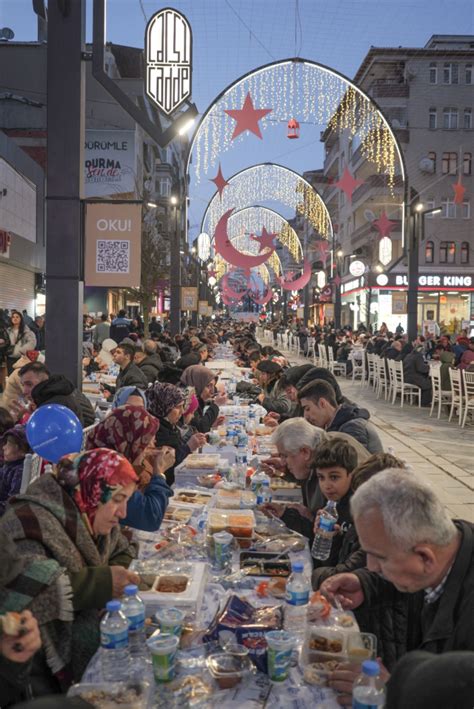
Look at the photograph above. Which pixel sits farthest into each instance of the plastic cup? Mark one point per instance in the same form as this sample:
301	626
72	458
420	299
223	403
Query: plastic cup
214	438
280	647
170	620
223	544
163	649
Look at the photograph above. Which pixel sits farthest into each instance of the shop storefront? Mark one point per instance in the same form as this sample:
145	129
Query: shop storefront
445	301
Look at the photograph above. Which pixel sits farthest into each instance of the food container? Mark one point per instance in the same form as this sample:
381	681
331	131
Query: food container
228	669
109	695
238	523
259	563
174	584
280	647
170	620
222	550
228	497
196	498
163	648
178	514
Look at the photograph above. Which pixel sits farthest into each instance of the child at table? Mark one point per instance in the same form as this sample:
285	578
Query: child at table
15	447
350	556
334	462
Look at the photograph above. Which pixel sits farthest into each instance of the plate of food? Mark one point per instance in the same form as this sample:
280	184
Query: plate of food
192	497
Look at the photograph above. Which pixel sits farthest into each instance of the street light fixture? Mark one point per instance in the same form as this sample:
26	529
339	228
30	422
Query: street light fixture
173	200
416	236
152	205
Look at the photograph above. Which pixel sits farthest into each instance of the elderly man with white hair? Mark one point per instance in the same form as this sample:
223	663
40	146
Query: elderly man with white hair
296	441
417	591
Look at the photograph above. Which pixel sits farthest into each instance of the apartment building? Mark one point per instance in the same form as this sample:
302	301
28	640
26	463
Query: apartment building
427	95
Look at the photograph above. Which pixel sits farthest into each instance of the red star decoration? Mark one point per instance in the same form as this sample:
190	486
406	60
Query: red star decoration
348	183
265	240
322	247
219	181
211	273
247	117
459	190
384	225
337	280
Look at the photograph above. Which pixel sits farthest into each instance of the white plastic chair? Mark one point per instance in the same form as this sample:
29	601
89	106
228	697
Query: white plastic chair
401	387
323	357
468	381
457	394
371	369
439	396
381	379
310	352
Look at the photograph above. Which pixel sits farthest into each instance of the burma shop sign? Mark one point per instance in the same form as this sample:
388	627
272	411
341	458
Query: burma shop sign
109	162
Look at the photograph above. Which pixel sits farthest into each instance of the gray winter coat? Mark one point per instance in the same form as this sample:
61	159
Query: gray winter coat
355	421
22	345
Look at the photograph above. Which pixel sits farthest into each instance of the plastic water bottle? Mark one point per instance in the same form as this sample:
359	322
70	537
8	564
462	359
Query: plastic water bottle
264	495
322	544
134	610
114	643
369	688
251	420
298	589
257	480
201	525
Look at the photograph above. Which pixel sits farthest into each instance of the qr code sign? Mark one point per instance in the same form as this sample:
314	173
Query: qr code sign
112	256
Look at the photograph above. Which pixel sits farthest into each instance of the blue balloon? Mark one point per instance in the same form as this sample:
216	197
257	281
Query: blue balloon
54	430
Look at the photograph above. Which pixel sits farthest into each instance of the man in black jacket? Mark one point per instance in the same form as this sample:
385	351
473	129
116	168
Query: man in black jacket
417	591
42	387
147	365
319	404
130	374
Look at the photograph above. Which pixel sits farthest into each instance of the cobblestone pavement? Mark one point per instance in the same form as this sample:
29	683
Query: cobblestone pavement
441	451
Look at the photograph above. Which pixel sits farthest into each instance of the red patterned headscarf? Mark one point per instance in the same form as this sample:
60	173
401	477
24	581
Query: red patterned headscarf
91	478
127	430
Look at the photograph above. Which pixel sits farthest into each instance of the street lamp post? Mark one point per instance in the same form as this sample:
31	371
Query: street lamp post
338	259
416	232
175	272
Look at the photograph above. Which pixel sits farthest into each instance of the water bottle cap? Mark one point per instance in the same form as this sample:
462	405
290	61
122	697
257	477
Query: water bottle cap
370	668
113	606
131	590
266	483
297	566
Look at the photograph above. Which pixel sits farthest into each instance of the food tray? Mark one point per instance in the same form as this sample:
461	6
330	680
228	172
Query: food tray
157	572
202	461
196	498
106	695
267	568
239	523
176	513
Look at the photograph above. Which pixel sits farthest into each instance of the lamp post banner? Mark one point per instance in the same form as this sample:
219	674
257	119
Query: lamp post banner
189	298
113	245
109	163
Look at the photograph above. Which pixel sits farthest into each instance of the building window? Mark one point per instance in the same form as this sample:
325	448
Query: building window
430	203
450	73
429	252
447	252
432	157
467	163
450	118
467	125
465	252
449	164
449	209
469	74
433	119
434	73
466	210
165	187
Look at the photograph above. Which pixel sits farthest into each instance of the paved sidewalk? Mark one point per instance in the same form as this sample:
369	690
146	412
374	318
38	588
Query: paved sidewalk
441	451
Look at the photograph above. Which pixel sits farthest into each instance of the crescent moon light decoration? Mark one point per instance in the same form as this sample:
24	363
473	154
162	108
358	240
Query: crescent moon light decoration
224	247
300	282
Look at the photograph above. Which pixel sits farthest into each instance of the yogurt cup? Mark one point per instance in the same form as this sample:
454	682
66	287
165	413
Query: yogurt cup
223	544
280	647
163	649
170	620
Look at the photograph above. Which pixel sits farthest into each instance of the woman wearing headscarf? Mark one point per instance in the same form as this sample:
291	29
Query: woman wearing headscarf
204	382
72	520
189	408
131	431
166	402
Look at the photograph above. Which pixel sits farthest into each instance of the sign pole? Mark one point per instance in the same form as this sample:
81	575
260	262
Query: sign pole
65	129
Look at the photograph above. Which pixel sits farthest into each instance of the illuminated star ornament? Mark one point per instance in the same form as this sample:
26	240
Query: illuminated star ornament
219	181
384	225
247	118
348	183
265	240
459	190
337	280
322	248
